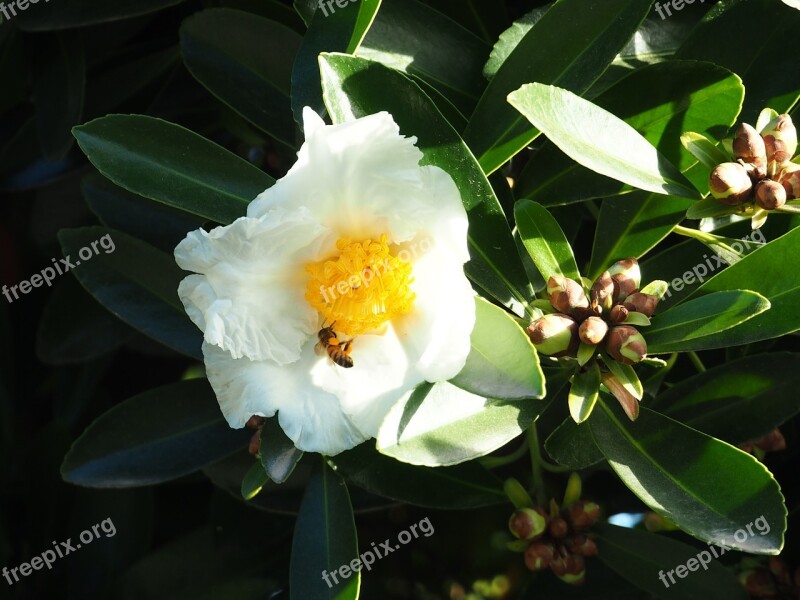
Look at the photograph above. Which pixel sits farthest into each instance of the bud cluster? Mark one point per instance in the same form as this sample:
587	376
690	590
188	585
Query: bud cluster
602	319
771	442
773	581
762	173
557	539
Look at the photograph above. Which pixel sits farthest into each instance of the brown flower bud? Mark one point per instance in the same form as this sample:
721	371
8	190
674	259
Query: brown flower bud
789	178
583	514
772	442
566	295
626	345
602	292
255	422
558	528
626	277
749	147
642	303
778	569
526	524
780	138
575	570
770	194
581	545
554	334
593	331
618	314
758	583
558	565
730	184
538	556
255	443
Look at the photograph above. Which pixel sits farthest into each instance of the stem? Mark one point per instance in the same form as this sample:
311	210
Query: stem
536	464
548	466
592	208
698	364
492	462
700	236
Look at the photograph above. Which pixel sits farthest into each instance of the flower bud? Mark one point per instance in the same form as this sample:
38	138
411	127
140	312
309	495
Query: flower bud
554	334
583	514
592	331
581	545
642	303
565	294
626	277
539	555
255	422
749	147
758	583
618	314
789	178
780	138
526	524
558	565
626	345
255	443
602	292
779	571
730	184
558	528
575	570
772	442
770	194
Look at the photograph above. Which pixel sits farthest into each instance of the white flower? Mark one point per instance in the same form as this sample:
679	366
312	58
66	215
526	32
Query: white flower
356	236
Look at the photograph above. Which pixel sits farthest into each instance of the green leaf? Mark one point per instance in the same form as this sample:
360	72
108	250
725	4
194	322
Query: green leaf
254	481
167	163
772	272
400	38
136	282
278	454
251	71
702	323
485	18
273	10
766	75
583	393
703	150
355	87
441	425
645	559
502	362
510	39
599	140
709	208
324	540
545	241
739	401
573	446
467	485
709	489
559	49
59	73
157	436
339	31
80	13
626	376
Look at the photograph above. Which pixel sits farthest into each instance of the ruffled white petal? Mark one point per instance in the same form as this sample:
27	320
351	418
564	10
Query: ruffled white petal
248	296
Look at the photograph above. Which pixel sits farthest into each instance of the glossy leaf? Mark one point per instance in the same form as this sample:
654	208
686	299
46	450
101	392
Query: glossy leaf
626	376
167	163
599	140
79	13
703	149
324	540
738	401
278	454
645	559
339	31
157	436
560	50
679	473
441	425
545	241
251	71
502	362
467	485
708	208
573	446
355	87
137	283
510	39
254	481
583	393
701	323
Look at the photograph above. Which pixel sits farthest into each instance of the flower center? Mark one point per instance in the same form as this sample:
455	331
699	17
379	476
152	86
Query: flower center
362	288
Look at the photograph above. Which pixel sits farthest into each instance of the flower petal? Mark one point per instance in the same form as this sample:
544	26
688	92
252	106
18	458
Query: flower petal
249	295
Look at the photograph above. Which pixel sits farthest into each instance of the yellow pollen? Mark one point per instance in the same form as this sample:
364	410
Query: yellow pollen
362	288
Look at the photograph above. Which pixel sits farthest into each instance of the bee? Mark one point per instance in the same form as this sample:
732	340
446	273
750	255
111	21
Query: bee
338	352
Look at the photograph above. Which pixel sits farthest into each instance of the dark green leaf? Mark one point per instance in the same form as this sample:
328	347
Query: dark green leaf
560	49
355	87
273	10
681	473
254	481
485	18
467	485
162	434
324	540
544	241
167	163
79	13
278	454
573	446
510	39
502	362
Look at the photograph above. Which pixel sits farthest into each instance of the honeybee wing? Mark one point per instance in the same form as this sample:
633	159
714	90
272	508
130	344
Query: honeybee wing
320	349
